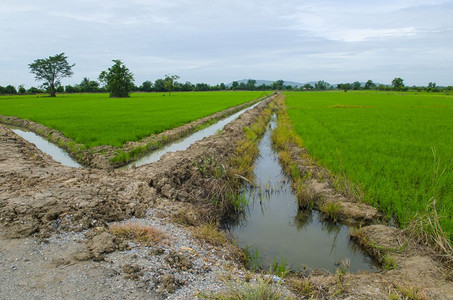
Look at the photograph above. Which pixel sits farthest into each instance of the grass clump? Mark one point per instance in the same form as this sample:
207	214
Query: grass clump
251	291
210	233
145	234
331	210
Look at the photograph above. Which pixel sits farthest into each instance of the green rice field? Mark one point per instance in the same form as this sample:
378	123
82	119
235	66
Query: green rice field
387	143
96	119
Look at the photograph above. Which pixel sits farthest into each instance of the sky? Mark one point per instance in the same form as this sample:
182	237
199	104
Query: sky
221	41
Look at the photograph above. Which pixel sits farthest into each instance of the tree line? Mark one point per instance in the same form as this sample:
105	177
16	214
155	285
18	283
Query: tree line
119	81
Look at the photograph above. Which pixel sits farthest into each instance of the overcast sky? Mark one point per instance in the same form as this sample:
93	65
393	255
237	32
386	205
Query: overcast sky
224	40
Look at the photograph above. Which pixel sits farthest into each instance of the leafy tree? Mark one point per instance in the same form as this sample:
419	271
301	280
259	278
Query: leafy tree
22	90
51	70
321	85
9	89
397	83
222	86
202	87
159	85
242	86
147	86
2	90
344	86
234	85
251	84
356	85
118	80
88	85
187	86
308	86
369	85
169	82
34	90
71	89
277	85
431	87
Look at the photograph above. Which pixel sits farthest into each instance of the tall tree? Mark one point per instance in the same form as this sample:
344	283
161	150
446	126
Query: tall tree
147	86
251	84
170	81
398	83
277	85
51	70
356	85
234	85
369	85
118	80
321	85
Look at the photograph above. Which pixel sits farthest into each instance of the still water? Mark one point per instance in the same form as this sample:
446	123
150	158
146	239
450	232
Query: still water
274	226
54	151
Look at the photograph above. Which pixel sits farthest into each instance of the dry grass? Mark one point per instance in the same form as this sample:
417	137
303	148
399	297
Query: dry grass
262	290
210	233
145	234
425	228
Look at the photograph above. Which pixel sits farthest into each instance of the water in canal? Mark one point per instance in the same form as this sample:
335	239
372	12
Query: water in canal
274	226
184	143
54	151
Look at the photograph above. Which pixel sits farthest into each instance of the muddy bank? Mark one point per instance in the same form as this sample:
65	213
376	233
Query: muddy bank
108	157
39	196
410	269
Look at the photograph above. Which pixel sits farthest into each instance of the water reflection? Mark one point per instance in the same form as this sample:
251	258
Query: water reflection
273	224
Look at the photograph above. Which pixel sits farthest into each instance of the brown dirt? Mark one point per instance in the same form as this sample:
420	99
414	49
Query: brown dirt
100	157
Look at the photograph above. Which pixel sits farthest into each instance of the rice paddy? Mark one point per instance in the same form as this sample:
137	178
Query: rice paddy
395	146
96	119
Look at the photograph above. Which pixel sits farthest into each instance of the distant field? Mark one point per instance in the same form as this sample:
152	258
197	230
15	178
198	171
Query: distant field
384	142
96	119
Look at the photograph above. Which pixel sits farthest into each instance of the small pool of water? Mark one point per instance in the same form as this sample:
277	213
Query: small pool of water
273	224
184	143
45	146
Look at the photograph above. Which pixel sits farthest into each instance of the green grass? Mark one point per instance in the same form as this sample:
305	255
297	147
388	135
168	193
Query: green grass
383	142
96	119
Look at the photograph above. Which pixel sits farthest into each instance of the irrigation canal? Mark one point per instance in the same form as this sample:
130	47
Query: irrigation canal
273	227
184	143
63	157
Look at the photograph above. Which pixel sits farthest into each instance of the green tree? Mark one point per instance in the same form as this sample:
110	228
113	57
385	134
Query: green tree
321	85
308	86
398	83
234	85
169	82
88	86
277	85
147	86
369	85
118	80
356	85
344	86
222	86
159	85
9	89
51	70
251	84
22	90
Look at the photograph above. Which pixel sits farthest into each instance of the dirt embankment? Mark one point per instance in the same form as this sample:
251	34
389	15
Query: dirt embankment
410	270
109	157
40	196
